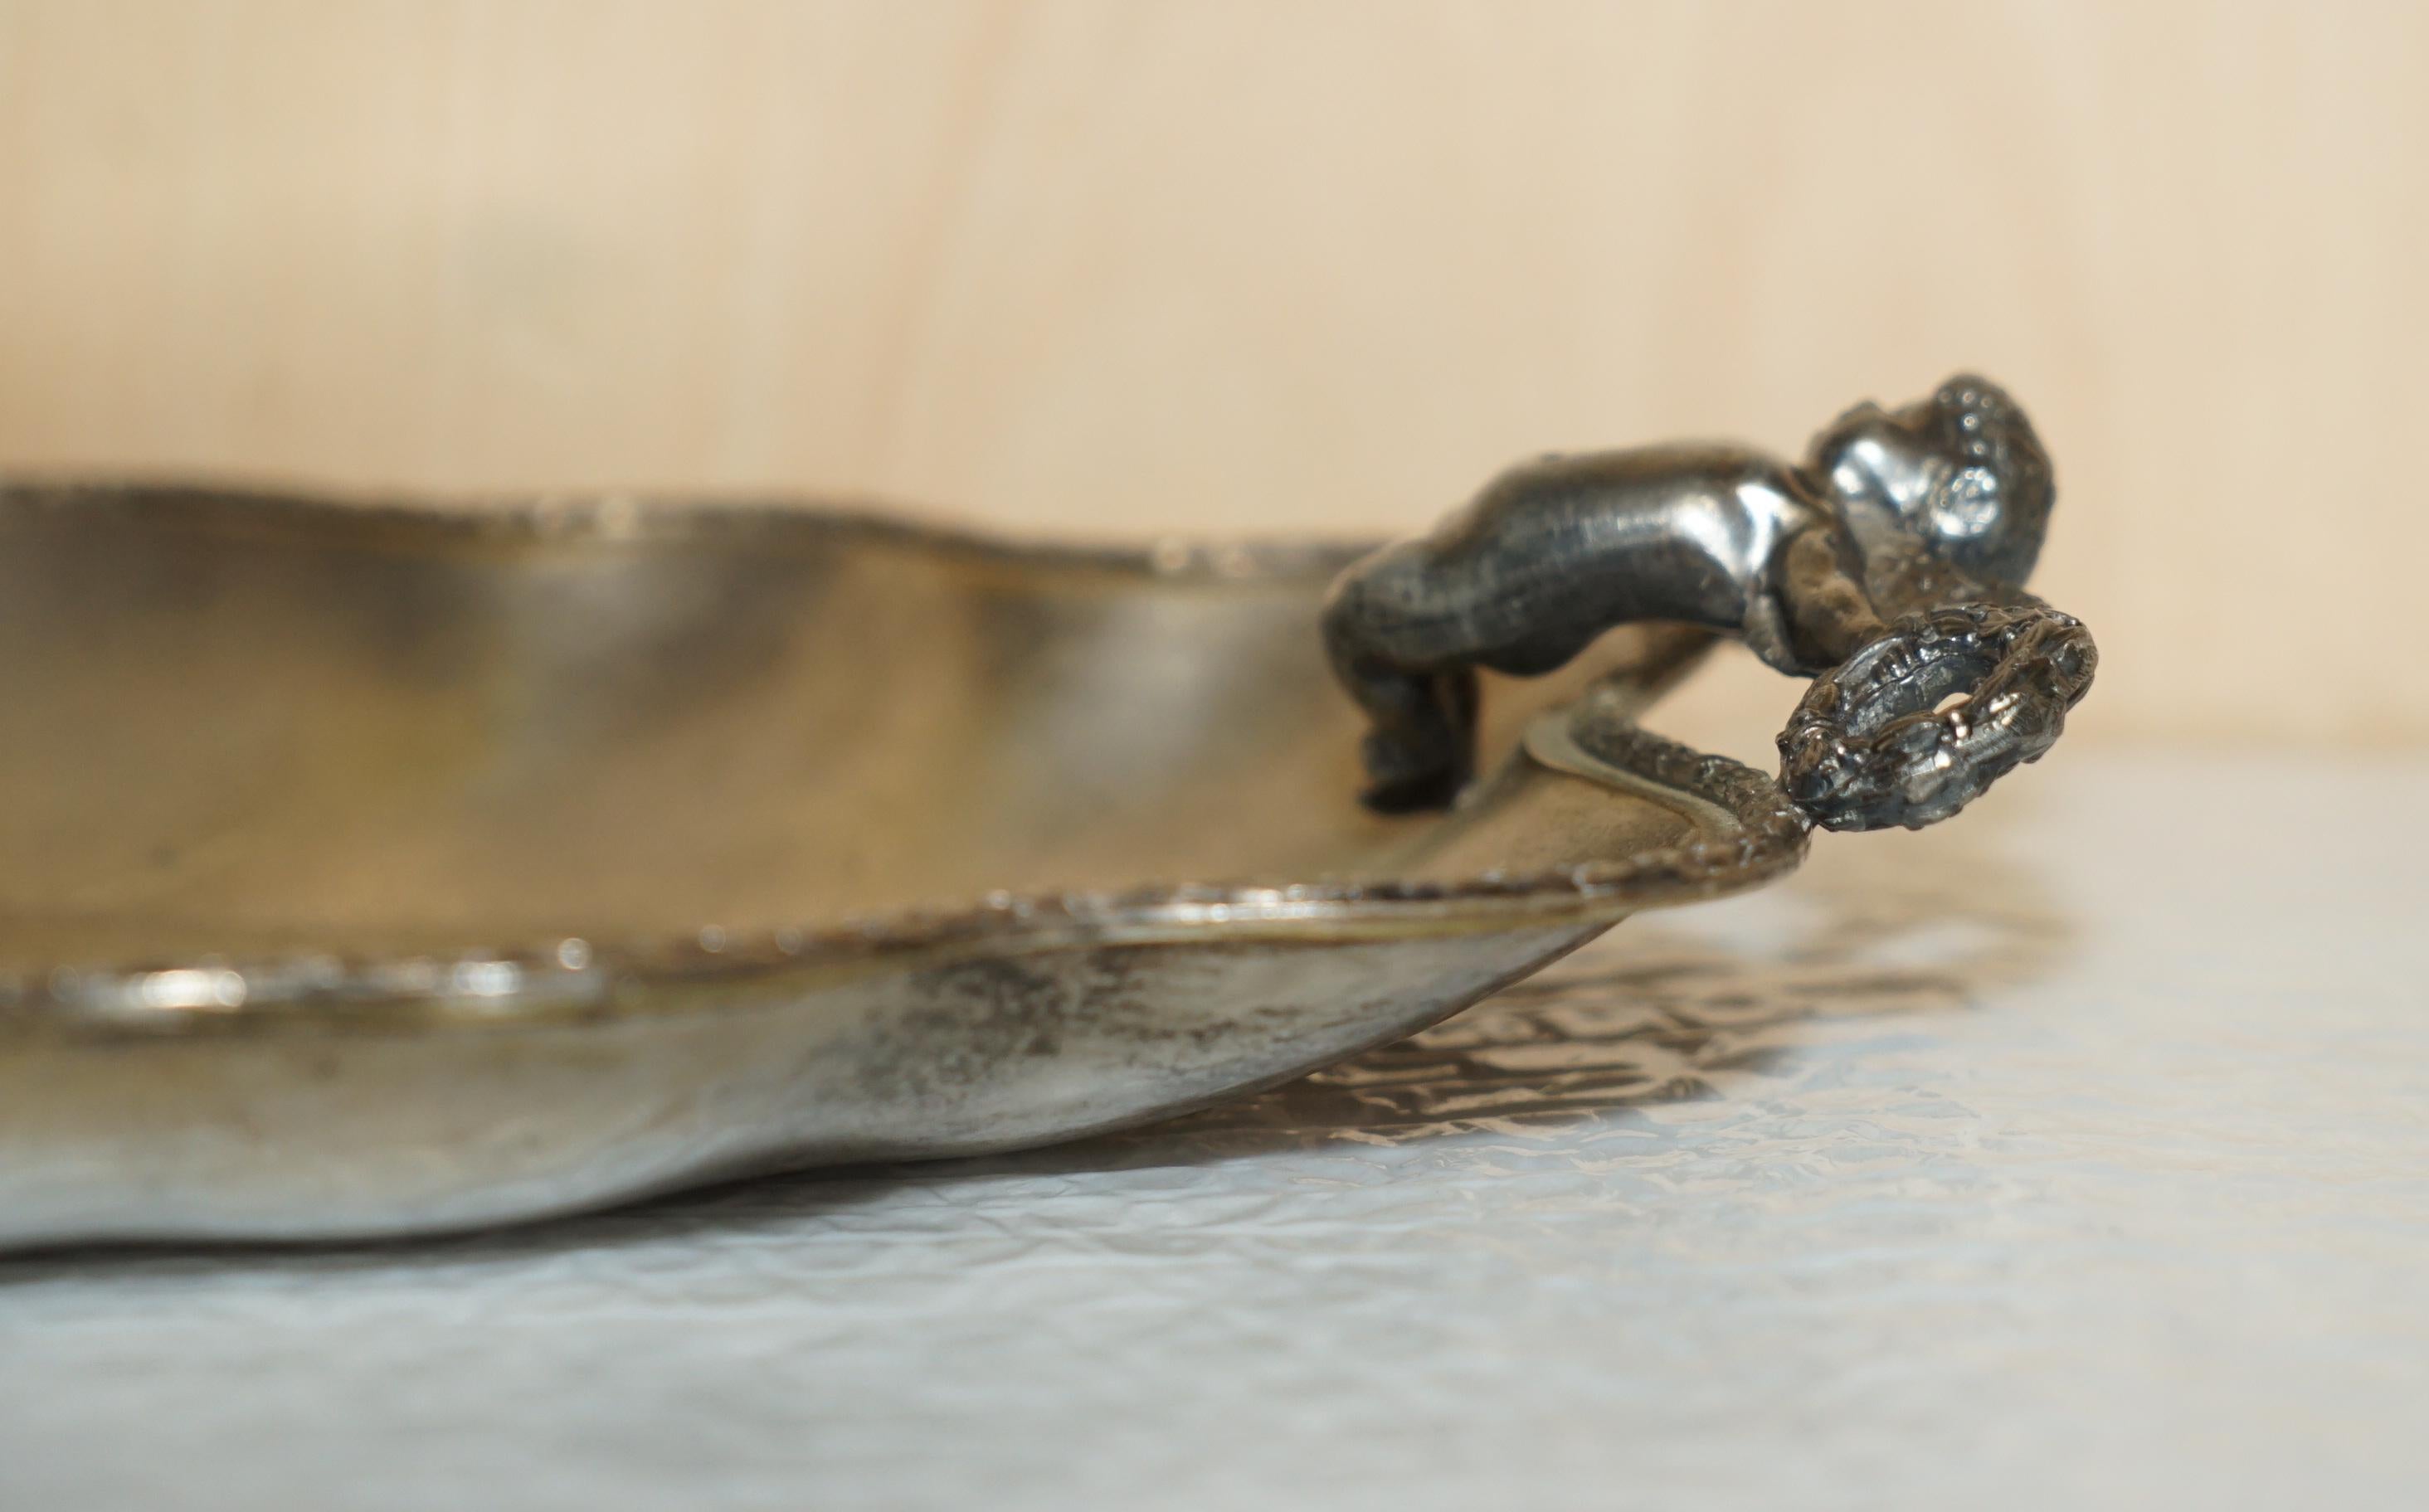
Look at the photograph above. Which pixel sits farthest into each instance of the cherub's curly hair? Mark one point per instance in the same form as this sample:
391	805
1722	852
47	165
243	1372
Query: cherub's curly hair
1977	420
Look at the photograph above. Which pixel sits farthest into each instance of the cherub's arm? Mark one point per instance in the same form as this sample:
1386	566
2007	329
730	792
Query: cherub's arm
1823	599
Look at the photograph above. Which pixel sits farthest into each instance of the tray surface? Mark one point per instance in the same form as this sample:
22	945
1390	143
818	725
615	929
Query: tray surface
387	868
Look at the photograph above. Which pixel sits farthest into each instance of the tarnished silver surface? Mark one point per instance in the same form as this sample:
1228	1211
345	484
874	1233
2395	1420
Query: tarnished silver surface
380	869
1891	561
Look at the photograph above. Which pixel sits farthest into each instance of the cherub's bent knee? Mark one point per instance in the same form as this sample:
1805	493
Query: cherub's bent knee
1399	609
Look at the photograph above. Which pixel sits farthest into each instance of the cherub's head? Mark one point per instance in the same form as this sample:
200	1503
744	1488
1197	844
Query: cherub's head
1962	470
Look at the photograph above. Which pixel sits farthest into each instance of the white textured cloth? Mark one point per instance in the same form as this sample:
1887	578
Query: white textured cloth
2074	1155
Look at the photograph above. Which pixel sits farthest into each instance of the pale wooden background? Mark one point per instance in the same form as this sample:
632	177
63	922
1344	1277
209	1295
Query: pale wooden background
1306	265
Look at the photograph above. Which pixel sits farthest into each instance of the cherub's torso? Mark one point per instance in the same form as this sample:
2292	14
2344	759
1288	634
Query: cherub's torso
1683	531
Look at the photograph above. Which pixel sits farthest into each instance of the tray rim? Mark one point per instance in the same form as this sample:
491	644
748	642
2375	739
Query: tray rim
638	516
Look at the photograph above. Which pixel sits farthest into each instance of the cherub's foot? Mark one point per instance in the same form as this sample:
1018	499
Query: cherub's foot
1403	779
1414	794
1872	744
1422	749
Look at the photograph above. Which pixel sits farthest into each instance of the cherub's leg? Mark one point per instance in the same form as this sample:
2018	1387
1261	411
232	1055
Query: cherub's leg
1398	631
1406	631
1392	628
1421	744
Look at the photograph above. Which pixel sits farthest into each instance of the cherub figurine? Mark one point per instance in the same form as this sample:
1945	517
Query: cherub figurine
1891	563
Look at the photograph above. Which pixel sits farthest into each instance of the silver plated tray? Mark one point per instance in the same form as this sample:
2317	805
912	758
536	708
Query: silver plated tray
378	869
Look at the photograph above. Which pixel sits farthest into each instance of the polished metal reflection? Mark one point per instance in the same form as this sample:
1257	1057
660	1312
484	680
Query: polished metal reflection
384	868
1889	561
